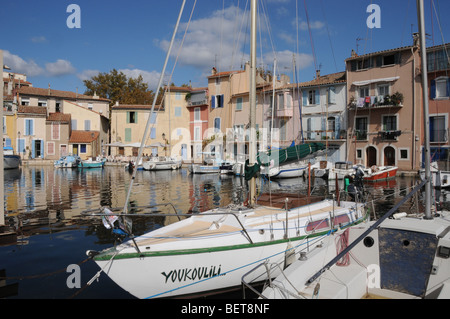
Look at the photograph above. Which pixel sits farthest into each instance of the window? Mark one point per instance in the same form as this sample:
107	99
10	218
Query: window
389	122
217	124
25	101
29	127
404	154
51	148
216	101
359	153
280	101
239	102
197	114
128	135
87	125
361	128
197	133
317	225
438	129
177	111
383	90
132	117
440	88
58	106
83	148
332	95
389	59
177	96
312	97
90	106
438	60
55	131
153	118
364	91
42	102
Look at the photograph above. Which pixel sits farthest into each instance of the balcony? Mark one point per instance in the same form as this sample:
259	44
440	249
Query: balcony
285	112
376	102
330	135
390	135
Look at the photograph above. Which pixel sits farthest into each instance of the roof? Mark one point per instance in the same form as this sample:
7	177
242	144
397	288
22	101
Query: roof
40	110
83	136
220	74
136	107
28	90
380	52
339	77
59	117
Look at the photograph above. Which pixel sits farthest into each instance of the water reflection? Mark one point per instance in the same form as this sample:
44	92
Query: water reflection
44	205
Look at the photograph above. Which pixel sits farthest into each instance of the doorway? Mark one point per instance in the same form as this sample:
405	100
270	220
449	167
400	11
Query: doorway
371	156
389	156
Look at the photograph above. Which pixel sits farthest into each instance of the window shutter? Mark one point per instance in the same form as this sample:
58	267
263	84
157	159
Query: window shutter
338	126
317	92
448	87
213	102
153	133
433	89
305	98
332	94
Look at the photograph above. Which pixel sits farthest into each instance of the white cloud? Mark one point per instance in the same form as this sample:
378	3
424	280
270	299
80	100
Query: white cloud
152	78
285	60
19	65
210	40
59	68
87	74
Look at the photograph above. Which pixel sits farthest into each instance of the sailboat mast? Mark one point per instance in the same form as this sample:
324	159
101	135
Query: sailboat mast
423	51
252	96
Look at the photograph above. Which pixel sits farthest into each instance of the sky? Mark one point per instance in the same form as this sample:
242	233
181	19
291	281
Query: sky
55	45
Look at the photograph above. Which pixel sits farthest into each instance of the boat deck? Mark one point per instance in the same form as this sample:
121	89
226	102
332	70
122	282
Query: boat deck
199	228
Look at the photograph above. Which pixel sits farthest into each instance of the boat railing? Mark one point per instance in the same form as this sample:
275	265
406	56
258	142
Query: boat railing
271	266
88	213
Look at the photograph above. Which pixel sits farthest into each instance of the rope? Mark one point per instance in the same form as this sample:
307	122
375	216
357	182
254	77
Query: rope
41	275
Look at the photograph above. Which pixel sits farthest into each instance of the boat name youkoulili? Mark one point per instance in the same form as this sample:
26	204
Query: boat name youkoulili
179	275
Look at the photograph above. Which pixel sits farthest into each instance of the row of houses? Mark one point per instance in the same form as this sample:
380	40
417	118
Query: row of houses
370	113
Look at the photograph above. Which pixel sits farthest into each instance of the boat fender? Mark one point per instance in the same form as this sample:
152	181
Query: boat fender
174	166
289	256
399	215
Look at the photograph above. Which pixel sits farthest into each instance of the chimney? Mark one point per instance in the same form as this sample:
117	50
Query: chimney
49	91
416	39
317	74
354	54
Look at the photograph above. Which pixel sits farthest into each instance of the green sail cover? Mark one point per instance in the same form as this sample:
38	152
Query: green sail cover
285	155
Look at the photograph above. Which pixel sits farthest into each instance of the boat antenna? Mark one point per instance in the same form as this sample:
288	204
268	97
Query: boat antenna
423	54
149	121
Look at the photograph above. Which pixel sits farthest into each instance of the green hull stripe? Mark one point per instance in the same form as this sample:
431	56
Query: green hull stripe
107	255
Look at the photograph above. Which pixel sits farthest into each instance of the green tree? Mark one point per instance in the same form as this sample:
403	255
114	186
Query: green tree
116	86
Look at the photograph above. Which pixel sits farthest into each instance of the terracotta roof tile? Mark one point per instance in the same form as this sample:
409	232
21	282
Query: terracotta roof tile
32	109
59	117
28	90
83	136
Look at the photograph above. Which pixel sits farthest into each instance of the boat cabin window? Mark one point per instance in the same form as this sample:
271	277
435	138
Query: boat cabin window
317	225
341	219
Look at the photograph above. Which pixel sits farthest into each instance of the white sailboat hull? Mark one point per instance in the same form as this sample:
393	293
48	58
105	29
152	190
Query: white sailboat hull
206	253
297	169
399	260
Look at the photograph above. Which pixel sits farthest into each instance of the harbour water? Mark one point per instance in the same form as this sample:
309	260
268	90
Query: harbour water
45	204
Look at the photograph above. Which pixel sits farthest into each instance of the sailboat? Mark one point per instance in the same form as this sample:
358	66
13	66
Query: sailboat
398	256
209	252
